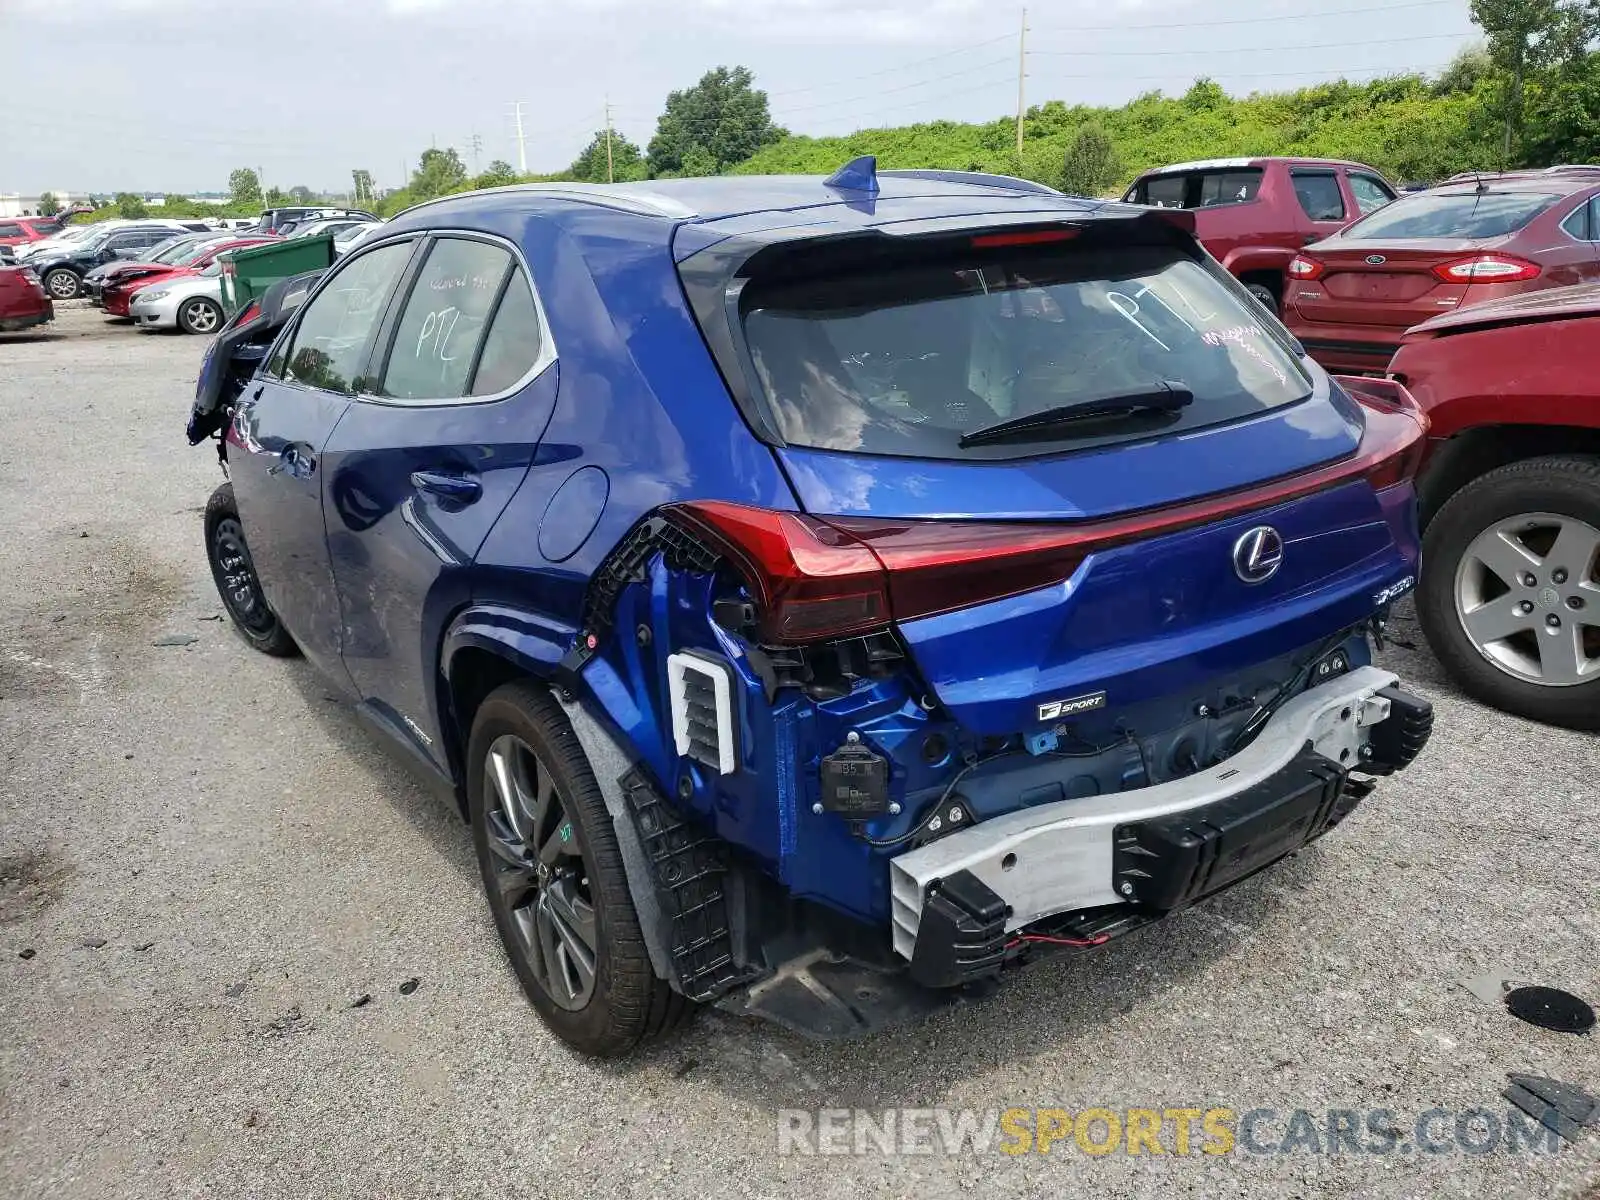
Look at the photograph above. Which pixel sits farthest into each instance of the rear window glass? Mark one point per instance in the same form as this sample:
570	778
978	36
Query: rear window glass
1453	215
905	361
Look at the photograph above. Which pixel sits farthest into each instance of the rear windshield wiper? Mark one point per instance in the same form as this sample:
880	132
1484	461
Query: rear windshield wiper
1167	396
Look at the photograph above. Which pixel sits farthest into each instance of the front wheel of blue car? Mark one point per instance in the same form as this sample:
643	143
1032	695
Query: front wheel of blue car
554	878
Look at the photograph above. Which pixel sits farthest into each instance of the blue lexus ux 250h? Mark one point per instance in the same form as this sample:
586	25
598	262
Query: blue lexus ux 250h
821	596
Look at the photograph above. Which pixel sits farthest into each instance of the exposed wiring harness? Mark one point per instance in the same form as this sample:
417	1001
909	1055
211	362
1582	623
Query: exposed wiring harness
938	807
1099	939
1282	696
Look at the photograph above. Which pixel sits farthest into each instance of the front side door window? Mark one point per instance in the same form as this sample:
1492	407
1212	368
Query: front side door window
1319	195
1370	194
329	346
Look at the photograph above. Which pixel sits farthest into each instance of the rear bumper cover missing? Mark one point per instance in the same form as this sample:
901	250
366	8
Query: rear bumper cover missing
1135	847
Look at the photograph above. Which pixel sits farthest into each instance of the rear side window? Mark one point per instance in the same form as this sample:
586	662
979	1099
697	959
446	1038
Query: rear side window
907	360
1319	195
13	231
329	347
1584	223
1371	194
515	342
444	320
1453	215
1164	191
1237	186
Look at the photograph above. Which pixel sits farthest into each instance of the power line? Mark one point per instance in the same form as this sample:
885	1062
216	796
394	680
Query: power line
1218	50
988	66
894	70
1337	12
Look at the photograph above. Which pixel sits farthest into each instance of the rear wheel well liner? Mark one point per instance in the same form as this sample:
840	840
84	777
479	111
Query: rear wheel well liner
469	674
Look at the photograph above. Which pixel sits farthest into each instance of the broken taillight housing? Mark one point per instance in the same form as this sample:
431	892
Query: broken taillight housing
820	578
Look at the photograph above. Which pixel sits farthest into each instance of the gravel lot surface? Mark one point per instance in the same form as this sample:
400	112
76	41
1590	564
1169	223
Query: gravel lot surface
210	862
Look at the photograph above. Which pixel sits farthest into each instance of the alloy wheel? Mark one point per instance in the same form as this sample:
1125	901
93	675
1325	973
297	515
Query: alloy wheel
1527	594
63	285
540	873
200	316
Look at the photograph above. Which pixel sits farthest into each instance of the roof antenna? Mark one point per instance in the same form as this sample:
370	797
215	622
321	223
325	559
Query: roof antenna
857	175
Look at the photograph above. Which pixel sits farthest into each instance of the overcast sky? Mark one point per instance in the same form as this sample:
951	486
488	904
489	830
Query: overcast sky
111	95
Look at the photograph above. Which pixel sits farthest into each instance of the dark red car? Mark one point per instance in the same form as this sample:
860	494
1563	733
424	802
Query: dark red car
122	282
1352	296
1510	499
1255	214
23	302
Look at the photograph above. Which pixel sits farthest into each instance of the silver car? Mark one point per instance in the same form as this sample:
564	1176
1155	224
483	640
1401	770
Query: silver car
192	303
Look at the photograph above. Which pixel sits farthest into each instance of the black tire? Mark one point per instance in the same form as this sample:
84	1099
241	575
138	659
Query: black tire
69	283
1562	486
629	1004
200	315
235	577
1265	296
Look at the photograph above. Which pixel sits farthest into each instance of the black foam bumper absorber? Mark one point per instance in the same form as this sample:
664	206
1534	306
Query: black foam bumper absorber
961	937
1397	740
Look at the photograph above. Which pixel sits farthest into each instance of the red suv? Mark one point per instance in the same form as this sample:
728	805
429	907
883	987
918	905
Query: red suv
16	230
1352	297
1510	499
1255	214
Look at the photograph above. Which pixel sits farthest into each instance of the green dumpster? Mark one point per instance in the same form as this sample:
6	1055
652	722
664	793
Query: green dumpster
248	273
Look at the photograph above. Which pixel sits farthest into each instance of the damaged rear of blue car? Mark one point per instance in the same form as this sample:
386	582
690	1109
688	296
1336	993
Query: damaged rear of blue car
839	591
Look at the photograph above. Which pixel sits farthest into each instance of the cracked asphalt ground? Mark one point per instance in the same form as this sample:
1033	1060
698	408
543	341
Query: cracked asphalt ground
210	863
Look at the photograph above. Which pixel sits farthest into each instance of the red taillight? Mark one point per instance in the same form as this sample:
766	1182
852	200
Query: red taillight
1028	237
817	578
809	580
1305	268
1487	268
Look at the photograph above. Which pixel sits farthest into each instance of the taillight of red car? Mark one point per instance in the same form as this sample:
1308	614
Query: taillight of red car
820	578
1487	268
1305	268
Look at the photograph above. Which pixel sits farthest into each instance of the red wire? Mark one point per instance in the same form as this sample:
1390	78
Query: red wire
1098	940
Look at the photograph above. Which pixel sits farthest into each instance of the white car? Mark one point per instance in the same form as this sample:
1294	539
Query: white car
192	303
347	241
72	234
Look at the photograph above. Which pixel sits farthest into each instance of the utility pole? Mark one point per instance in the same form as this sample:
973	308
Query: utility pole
522	141
476	143
1022	71
611	175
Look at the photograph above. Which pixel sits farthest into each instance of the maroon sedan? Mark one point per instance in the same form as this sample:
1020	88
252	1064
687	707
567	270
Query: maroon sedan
23	303
1350	298
1510	495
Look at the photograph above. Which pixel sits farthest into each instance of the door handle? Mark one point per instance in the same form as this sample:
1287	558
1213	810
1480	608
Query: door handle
460	489
296	459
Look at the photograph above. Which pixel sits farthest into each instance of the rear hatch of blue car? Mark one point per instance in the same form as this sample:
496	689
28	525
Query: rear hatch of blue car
1067	460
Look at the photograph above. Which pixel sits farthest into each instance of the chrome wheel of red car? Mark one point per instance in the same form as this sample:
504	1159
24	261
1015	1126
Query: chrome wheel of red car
1528	598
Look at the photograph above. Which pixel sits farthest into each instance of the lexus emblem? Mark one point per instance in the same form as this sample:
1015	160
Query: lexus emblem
1258	554
1376	260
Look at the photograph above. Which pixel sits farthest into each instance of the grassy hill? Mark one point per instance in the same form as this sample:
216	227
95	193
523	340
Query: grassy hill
1409	127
